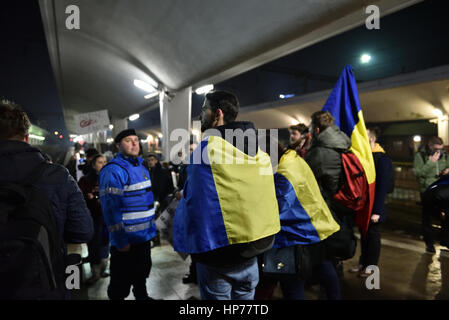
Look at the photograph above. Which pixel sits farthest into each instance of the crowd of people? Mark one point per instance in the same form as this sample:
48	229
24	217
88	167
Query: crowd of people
245	231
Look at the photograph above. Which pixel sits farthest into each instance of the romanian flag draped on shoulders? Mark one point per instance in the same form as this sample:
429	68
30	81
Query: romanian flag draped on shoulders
343	103
305	217
228	198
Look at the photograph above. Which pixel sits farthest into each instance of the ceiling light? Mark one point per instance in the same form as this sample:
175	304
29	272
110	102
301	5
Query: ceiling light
205	89
145	86
286	96
134	117
40	138
417	138
151	95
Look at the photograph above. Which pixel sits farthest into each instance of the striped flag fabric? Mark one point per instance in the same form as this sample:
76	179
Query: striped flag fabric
344	105
225	202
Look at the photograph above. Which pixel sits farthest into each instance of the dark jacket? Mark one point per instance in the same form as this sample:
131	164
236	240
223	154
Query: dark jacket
18	160
162	184
89	184
229	255
324	158
384	168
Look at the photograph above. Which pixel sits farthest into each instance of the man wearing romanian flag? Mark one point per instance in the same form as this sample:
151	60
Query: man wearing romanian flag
228	213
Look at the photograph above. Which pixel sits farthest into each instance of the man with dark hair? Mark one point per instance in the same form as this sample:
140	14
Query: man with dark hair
224	101
324	155
128	208
430	163
228	213
299	138
371	243
19	160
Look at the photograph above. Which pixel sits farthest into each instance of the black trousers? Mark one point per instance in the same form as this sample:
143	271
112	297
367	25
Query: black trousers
370	246
426	222
128	269
434	202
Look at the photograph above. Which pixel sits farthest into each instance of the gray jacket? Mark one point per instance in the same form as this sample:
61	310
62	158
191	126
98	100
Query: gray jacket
325	160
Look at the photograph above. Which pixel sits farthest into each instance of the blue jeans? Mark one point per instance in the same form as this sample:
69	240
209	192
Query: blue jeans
237	282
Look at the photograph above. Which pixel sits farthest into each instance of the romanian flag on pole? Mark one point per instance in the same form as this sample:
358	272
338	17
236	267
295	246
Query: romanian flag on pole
343	103
229	198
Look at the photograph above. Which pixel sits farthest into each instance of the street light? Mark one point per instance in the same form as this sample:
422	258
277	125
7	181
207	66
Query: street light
365	58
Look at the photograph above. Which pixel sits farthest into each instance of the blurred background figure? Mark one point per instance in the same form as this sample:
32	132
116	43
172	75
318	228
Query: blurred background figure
430	163
99	245
371	243
86	167
162	187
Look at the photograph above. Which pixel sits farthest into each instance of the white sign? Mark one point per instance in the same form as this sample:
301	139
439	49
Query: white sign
91	122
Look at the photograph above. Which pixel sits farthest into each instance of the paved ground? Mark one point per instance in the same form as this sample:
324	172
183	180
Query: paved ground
406	270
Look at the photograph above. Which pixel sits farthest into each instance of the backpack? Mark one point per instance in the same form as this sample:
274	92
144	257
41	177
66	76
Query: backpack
31	251
353	193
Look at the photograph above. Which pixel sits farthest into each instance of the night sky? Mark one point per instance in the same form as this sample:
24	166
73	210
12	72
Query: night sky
26	73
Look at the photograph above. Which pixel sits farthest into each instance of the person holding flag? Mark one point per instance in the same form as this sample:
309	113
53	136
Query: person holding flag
337	129
343	104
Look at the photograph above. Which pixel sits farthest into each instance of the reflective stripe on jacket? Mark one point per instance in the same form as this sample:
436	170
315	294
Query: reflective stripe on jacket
127	201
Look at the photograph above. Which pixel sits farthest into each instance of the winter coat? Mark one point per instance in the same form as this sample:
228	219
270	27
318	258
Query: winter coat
18	160
324	158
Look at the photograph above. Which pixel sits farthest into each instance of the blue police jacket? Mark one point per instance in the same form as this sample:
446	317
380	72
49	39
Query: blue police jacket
127	201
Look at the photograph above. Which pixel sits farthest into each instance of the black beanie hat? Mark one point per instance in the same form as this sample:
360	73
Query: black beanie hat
124	134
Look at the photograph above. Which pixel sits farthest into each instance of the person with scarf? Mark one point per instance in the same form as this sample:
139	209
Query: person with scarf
371	244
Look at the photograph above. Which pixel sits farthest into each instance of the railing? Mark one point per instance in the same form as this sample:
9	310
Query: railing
406	191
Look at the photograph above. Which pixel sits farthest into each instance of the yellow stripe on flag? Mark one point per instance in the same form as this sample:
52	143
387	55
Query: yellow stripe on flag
361	148
247	197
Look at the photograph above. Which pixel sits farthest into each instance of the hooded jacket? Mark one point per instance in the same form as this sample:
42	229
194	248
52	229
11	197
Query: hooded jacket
324	158
18	160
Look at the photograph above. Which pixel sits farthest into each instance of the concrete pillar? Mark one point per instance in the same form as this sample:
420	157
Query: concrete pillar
175	114
443	129
119	125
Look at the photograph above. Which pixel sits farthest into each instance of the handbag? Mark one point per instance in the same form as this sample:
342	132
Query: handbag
298	260
280	262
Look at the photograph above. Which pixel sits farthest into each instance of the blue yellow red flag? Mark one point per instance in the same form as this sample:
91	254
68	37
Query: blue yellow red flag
344	105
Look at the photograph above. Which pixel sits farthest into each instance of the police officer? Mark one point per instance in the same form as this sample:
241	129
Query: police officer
128	208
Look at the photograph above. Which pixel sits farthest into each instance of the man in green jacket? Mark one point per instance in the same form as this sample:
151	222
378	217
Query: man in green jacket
431	162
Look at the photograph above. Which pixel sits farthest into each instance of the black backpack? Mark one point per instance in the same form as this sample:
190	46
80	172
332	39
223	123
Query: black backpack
31	251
